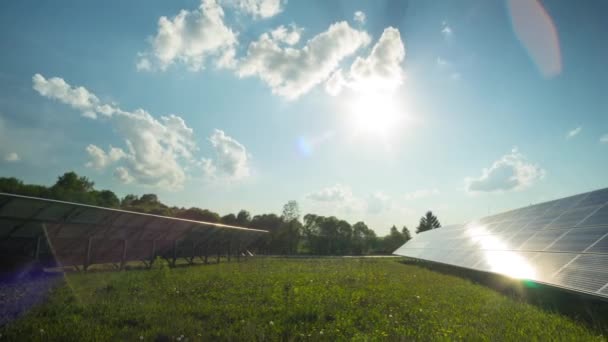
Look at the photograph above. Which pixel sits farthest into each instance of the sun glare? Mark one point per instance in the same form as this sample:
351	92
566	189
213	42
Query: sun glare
375	114
499	256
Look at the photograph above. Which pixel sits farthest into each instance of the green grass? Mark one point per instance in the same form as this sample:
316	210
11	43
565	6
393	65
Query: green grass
286	299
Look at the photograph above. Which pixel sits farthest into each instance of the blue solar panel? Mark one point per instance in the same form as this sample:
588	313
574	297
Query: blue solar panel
562	243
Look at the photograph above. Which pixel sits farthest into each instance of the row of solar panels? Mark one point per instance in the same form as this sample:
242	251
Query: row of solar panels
75	234
562	243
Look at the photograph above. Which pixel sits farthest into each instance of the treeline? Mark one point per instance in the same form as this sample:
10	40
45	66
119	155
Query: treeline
288	234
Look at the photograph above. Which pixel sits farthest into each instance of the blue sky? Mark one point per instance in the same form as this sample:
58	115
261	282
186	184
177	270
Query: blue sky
373	111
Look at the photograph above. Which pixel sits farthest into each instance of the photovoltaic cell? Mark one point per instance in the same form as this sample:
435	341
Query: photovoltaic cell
562	243
79	234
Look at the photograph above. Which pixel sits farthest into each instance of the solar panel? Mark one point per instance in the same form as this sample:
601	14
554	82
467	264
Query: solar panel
562	243
64	233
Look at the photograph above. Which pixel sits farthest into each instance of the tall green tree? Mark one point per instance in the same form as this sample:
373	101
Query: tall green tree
392	241
70	181
428	222
291	211
243	218
406	234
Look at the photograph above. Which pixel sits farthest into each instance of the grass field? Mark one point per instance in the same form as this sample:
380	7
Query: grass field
286	299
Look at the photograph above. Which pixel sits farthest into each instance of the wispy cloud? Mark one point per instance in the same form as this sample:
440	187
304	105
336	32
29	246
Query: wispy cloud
359	17
12	157
604	139
422	193
571	134
446	30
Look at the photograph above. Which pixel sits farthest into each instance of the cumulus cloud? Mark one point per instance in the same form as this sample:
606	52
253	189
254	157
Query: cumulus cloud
422	193
157	151
574	132
231	160
261	9
122	174
381	71
12	157
191	37
289	35
100	159
359	17
291	72
604	139
334	84
511	172
77	97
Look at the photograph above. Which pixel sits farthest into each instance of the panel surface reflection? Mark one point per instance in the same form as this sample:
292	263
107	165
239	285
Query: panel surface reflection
562	242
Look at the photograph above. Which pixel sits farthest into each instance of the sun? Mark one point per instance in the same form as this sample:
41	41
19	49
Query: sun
376	115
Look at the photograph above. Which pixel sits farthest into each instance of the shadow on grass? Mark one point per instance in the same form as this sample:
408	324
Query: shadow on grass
591	311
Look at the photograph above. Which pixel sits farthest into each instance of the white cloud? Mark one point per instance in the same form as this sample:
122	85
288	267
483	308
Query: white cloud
341	197
100	159
574	132
158	151
77	97
191	37
291	72
334	84
604	139
511	172
335	193
382	68
122	174
446	30
12	157
143	63
288	35
359	17
422	193
260	8
380	71
377	209
231	158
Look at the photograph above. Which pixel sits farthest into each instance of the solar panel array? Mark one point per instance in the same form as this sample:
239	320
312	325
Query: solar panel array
563	243
64	233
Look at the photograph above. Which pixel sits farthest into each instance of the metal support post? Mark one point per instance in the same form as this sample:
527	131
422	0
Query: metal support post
87	260
123	258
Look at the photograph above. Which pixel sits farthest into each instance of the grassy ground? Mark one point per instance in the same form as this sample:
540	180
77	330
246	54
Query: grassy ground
274	299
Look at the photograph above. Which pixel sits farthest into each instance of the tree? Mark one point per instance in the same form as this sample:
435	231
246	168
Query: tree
70	181
406	234
243	218
393	240
198	214
128	200
428	222
106	198
148	199
291	211
229	219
